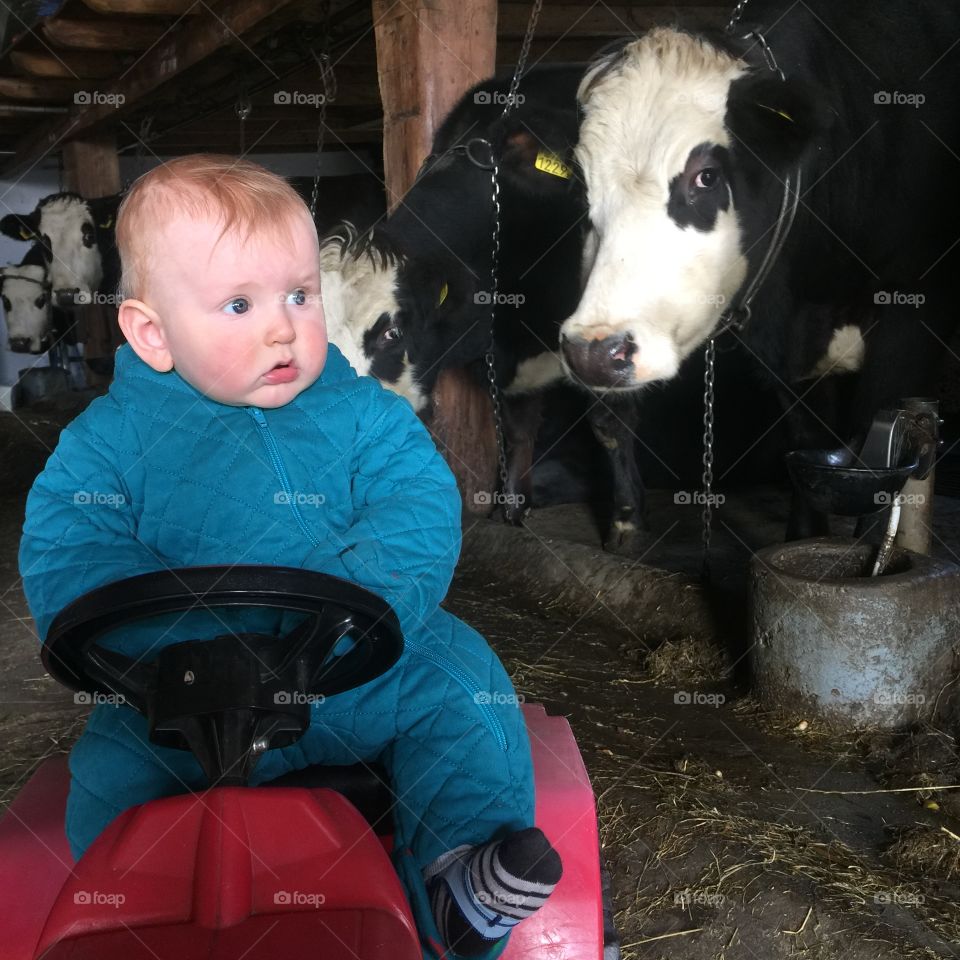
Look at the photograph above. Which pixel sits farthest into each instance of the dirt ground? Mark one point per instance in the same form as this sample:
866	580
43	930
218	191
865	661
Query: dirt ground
730	833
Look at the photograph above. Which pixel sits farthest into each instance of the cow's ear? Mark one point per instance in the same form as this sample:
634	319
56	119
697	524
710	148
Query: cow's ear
19	227
104	210
776	121
538	163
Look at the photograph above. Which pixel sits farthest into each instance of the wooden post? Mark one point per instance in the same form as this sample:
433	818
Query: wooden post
429	53
92	169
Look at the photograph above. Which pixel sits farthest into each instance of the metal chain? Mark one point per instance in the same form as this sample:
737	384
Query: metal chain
329	91
522	59
490	356
709	375
735	16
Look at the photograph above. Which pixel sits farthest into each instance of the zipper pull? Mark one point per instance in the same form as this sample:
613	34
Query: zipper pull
257	415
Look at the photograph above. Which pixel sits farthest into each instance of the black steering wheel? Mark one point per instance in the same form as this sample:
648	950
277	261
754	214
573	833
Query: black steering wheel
230	697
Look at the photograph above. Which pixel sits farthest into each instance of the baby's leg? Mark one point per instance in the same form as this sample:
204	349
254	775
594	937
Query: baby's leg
114	766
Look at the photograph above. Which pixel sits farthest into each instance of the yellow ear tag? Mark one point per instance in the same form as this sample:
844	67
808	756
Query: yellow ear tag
552	164
26	234
107	223
444	290
779	113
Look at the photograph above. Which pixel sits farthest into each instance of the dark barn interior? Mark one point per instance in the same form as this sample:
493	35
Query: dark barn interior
740	815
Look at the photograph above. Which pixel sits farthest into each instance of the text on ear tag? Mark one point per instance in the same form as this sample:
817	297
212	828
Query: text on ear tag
552	164
444	290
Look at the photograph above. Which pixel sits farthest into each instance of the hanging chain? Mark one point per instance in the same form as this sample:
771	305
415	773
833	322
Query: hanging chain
329	82
735	16
490	356
709	374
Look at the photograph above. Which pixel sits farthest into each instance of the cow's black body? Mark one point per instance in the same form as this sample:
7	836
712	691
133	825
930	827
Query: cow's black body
879	217
443	229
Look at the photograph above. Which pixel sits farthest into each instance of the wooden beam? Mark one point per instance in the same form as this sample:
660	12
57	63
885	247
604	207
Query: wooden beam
92	169
47	91
66	64
155	8
429	52
102	34
603	20
185	45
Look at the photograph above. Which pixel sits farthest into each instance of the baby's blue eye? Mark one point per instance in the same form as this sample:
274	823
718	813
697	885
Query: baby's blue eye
299	297
237	306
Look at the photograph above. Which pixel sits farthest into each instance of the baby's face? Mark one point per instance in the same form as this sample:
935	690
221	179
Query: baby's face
243	320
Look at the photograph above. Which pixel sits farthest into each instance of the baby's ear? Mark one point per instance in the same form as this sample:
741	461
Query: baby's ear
144	332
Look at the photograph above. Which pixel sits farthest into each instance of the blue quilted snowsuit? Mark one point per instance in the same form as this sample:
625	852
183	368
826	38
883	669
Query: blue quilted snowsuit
343	480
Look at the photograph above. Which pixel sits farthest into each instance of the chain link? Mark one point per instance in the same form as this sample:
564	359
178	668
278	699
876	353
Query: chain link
490	356
735	16
522	59
709	375
329	82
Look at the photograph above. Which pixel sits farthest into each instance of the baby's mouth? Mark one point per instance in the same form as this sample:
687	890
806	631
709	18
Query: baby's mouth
281	372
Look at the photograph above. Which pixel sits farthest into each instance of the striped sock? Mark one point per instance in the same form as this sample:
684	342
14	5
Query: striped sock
478	894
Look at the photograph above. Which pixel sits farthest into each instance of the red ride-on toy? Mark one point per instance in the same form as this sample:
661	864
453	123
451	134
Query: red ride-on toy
216	874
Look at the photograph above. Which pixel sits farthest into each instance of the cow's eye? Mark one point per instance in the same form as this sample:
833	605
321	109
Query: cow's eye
237	306
390	334
41	301
707	178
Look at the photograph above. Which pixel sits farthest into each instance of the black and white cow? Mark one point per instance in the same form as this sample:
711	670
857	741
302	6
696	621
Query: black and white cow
25	293
78	242
414	296
686	141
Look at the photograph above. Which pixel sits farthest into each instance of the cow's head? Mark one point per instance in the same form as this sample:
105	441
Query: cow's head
683	148
66	226
26	304
393	318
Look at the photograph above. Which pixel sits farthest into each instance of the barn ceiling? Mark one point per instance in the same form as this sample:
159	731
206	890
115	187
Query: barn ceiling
175	76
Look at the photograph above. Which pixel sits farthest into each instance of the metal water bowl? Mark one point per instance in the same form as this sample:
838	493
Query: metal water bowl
834	481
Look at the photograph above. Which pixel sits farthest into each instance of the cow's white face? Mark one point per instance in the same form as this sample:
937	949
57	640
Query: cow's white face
26	305
665	255
68	234
361	309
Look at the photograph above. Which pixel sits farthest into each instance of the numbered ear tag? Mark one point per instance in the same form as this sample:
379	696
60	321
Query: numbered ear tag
552	164
444	290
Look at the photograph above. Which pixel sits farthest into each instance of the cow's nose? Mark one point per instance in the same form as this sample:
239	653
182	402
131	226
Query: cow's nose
20	344
601	363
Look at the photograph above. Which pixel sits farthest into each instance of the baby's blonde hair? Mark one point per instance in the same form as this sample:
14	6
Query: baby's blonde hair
243	195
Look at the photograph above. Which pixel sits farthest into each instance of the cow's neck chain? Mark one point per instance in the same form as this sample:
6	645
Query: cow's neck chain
738	315
21	276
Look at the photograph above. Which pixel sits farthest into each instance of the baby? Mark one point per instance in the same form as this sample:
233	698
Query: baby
234	433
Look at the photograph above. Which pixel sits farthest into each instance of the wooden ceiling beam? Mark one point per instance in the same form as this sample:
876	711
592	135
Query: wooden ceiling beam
44	91
111	35
185	45
66	64
153	8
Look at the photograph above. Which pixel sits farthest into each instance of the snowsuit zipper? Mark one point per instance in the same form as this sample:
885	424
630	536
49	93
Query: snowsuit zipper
480	697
